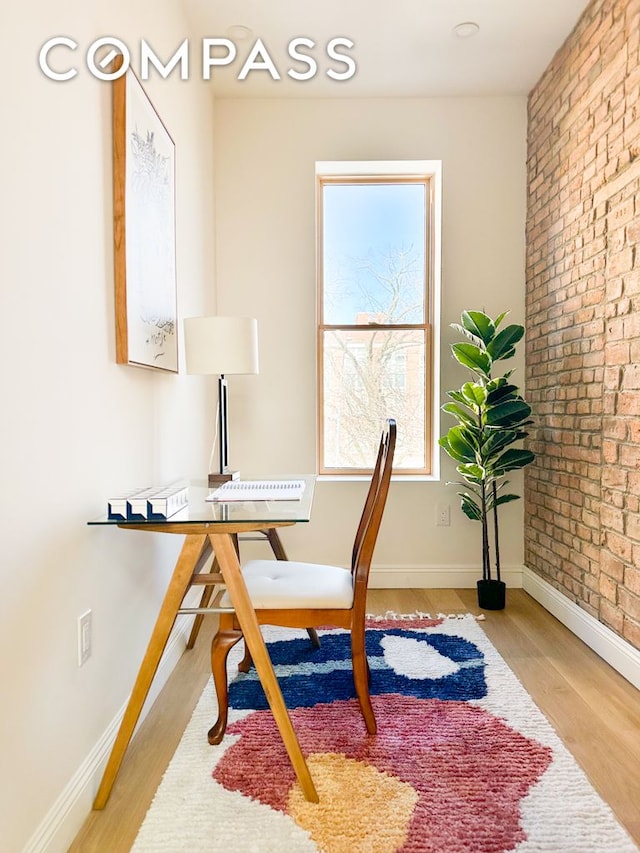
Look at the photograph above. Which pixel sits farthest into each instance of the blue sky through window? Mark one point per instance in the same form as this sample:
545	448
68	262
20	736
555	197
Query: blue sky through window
373	251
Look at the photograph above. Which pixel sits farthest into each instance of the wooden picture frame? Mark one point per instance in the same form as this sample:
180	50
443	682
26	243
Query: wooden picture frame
144	230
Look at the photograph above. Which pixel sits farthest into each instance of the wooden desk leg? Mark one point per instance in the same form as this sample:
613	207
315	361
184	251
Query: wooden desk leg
178	585
230	566
276	544
204	602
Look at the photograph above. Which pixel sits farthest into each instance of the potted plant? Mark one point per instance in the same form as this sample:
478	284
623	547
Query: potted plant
491	415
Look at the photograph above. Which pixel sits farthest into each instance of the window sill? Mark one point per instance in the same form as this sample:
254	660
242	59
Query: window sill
365	478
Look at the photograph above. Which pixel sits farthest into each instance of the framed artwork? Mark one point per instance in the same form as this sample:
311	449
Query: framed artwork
144	230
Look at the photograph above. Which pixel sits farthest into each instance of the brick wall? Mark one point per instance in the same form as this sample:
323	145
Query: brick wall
582	494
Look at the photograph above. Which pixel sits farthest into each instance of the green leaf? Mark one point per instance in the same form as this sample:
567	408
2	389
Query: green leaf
458	412
471	356
469	507
498	382
508	414
496	442
458	396
472	471
500	318
503	345
474	394
465	333
444	444
453	452
502	392
512	460
479	324
462	443
505	499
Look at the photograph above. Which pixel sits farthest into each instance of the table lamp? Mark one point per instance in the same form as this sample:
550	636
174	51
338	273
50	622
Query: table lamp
221	346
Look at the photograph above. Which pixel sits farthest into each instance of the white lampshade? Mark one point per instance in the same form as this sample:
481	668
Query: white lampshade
221	345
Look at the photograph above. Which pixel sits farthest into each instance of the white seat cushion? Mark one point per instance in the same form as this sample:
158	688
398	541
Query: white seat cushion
287	585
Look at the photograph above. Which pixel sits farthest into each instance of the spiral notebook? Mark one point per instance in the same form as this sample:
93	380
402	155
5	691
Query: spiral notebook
258	490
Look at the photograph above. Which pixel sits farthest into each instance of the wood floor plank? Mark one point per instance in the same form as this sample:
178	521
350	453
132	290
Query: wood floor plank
595	711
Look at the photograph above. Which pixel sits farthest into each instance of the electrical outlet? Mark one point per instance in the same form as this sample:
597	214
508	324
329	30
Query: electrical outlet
443	515
84	638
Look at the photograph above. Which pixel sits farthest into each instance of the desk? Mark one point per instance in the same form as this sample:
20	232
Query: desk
209	528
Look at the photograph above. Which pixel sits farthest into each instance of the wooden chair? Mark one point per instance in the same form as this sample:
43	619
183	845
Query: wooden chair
308	595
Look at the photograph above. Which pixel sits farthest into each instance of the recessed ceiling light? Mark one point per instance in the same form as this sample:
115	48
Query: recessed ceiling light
466	29
239	32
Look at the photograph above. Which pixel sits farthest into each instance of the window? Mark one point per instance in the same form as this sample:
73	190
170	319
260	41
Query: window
378	254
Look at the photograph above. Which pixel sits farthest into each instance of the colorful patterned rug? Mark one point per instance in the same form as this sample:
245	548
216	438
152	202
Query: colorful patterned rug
463	761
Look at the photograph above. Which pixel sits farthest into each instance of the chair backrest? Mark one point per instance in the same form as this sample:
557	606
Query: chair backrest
369	526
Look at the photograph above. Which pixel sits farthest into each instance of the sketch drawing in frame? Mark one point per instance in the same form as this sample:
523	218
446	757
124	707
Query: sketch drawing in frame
144	230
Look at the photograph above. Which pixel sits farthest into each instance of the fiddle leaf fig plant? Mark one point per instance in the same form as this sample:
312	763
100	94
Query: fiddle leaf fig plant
492	417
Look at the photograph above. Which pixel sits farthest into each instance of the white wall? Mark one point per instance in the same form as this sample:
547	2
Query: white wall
265	152
76	427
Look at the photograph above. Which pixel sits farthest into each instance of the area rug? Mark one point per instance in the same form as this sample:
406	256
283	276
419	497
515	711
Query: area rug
463	762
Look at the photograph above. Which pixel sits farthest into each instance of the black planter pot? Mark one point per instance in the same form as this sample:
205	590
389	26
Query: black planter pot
491	594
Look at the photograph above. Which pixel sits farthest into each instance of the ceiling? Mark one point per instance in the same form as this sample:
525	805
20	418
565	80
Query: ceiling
402	48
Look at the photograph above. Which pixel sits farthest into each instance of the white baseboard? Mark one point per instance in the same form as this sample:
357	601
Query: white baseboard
65	818
436	577
619	654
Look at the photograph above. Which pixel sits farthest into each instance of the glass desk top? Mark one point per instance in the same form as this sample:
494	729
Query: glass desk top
201	511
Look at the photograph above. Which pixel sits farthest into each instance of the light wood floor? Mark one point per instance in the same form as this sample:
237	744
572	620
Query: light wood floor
595	711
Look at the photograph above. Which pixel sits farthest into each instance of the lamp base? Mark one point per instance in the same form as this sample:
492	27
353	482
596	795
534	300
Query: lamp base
224	477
